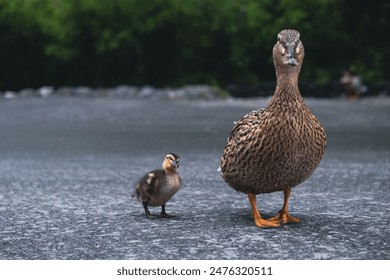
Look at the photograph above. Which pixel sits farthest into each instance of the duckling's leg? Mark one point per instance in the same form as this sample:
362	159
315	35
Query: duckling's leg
259	221
163	214
147	212
283	215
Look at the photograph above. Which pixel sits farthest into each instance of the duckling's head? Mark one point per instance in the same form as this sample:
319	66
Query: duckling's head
288	52
171	162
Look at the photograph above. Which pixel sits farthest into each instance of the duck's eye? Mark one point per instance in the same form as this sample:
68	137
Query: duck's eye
297	50
282	50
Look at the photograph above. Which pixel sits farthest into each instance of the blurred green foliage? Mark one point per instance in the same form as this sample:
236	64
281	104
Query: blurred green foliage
176	42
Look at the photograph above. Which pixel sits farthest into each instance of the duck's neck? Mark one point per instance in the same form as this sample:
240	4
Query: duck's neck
287	91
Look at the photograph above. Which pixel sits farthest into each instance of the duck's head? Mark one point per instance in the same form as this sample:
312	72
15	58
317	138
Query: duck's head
288	52
171	162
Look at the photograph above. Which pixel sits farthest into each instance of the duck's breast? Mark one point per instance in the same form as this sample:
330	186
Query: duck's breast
282	151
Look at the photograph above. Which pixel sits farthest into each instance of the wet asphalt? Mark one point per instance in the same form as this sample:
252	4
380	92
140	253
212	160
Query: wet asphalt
68	166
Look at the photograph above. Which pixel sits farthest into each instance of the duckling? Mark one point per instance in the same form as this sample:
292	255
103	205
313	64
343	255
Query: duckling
157	187
279	147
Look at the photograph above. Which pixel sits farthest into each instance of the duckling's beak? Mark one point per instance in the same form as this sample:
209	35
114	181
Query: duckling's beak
290	57
175	163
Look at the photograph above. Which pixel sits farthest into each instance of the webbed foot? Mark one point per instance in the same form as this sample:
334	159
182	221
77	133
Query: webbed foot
285	218
165	215
259	221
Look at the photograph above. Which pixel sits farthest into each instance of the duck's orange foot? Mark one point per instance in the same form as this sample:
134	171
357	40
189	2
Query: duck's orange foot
284	218
263	223
259	221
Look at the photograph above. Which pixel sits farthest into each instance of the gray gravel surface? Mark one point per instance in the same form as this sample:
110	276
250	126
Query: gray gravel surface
68	167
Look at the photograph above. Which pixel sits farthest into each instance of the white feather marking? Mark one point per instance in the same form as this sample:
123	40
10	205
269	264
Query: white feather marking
150	178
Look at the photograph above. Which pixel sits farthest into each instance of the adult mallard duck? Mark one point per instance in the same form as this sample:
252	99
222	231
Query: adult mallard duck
157	187
279	147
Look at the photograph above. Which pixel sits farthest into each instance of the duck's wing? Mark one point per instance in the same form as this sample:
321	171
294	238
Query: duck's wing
244	132
244	125
239	148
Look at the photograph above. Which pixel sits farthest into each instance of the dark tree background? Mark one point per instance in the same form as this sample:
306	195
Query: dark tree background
103	43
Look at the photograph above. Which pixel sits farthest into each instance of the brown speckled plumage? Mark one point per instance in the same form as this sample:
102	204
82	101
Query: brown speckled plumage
276	148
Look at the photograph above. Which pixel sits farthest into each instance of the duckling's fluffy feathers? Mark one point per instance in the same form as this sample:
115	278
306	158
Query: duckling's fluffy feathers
157	187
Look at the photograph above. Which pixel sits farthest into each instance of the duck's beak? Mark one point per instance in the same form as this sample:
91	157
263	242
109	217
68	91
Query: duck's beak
175	163
290	56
